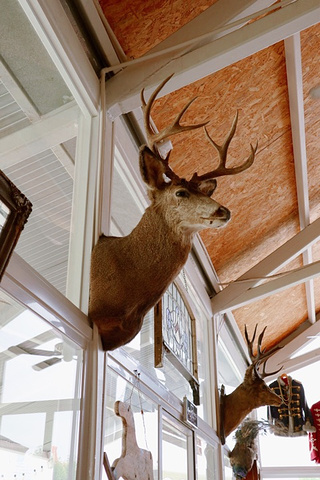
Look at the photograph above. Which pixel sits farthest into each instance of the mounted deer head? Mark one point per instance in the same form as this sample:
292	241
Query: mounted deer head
130	274
253	392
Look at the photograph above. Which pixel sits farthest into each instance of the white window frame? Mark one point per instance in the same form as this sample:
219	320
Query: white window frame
53	27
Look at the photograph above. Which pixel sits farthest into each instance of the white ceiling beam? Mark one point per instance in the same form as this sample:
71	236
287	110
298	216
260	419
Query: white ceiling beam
64	158
52	129
123	90
218	15
283	356
295	91
101	32
304	360
277	285
227	298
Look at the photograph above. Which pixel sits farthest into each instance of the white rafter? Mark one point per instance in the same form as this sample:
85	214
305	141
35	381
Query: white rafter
295	91
123	89
238	292
53	129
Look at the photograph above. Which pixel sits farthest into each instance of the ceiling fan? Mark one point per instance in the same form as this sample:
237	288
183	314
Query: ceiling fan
61	351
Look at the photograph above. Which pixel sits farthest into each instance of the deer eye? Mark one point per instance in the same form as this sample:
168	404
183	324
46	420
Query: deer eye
182	193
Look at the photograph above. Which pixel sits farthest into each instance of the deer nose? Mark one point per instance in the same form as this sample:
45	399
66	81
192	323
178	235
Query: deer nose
223	213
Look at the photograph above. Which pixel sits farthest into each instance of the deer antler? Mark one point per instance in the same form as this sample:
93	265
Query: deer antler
155	137
262	355
222	170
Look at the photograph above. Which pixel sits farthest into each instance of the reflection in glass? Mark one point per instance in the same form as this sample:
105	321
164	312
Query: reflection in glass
44	242
207	460
28	62
40	374
174	453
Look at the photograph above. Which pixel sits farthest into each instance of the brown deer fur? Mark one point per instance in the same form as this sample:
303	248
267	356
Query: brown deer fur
130	274
250	394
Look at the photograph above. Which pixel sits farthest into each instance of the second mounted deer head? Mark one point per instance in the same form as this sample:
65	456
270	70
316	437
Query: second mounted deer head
130	274
253	392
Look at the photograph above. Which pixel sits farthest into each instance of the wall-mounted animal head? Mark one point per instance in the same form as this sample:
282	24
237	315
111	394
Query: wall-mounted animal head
130	274
253	392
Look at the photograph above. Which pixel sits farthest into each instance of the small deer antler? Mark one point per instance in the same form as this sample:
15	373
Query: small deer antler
154	137
222	170
262	355
175	127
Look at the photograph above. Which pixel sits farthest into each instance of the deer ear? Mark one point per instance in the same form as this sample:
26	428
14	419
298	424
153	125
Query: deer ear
151	168
207	187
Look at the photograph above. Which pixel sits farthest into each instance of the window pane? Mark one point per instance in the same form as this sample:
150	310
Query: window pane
207	460
38	124
145	416
29	64
40	373
174	453
285	451
44	242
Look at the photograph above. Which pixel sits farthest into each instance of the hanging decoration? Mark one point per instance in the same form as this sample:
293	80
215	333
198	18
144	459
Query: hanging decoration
134	462
245	452
314	437
293	417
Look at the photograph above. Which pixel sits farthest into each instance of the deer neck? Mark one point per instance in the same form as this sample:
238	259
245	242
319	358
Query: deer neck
237	405
160	233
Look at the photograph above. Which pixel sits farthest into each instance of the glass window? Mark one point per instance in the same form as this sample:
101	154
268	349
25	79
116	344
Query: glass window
231	364
228	474
174	451
178	330
207	460
38	124
29	65
40	374
279	451
124	193
44	242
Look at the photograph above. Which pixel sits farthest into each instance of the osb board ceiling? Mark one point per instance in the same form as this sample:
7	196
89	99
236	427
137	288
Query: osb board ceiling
139	26
263	199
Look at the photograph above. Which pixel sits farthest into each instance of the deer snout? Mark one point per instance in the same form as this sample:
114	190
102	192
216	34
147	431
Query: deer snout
223	214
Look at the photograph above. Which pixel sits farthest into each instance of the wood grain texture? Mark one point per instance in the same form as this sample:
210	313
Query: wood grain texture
139	26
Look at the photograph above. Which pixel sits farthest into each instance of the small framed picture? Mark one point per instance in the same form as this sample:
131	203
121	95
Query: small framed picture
190	412
15	209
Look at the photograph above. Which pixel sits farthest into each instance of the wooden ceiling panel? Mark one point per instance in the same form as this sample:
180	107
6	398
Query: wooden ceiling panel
139	26
282	313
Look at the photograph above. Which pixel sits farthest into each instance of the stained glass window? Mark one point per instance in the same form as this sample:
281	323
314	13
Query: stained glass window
175	336
176	328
